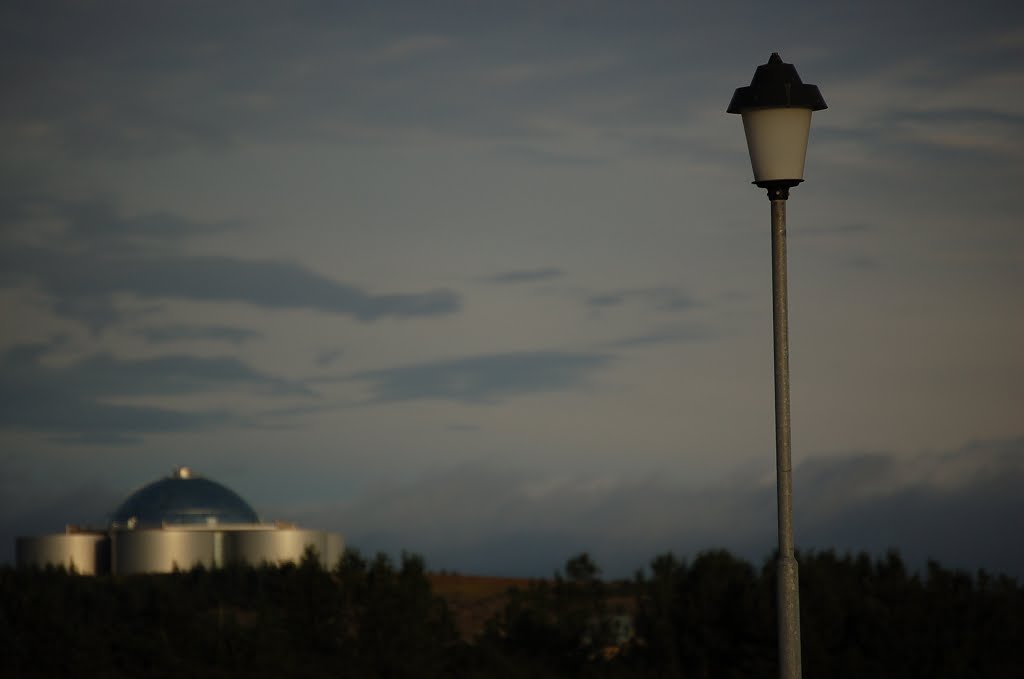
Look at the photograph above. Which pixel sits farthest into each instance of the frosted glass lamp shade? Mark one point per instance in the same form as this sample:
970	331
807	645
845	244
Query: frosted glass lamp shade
776	109
777	141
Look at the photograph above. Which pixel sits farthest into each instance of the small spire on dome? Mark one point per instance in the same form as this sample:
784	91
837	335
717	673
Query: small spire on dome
182	472
775	58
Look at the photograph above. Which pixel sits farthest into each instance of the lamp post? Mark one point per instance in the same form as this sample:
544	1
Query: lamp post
776	109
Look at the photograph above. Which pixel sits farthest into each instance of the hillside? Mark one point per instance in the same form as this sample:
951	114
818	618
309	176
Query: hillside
474	599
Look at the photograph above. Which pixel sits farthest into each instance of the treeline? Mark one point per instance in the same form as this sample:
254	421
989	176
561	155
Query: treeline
712	617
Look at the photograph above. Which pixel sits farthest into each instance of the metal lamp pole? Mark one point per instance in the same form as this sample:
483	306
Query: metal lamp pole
788	579
776	110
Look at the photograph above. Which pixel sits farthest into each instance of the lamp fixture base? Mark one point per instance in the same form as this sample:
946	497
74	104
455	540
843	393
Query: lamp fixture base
778	189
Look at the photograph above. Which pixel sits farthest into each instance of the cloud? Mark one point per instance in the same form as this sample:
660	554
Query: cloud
957	507
861	262
526	275
983	132
484	379
844	229
405	48
78	283
917	114
960	507
483	520
151	83
463	427
72	401
670	335
325	358
96	224
537	153
101	254
183	86
662	298
105	375
160	334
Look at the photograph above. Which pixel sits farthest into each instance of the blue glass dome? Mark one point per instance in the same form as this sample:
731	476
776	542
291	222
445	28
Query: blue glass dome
183	499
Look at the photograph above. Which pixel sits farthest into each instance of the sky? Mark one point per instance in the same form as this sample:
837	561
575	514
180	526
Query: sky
488	281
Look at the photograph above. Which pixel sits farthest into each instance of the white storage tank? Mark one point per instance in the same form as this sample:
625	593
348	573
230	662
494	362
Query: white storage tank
334	549
85	553
274	545
157	550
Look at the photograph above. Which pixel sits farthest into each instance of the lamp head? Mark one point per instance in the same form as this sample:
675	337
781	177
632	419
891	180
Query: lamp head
776	109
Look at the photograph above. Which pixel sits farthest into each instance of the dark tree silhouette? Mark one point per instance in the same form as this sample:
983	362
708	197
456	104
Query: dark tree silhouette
712	617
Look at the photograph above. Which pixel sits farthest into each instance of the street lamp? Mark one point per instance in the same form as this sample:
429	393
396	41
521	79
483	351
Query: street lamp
776	110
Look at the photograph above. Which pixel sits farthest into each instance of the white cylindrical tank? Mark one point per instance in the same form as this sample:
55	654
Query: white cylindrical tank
335	548
161	550
84	553
274	545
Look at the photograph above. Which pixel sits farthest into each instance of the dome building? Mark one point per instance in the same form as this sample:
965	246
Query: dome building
177	522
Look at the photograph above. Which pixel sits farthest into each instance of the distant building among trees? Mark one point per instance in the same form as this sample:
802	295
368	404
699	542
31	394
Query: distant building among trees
173	523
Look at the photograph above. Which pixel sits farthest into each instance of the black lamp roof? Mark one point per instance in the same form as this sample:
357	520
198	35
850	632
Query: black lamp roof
776	85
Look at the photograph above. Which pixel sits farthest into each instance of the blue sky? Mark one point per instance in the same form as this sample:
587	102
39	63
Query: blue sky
489	281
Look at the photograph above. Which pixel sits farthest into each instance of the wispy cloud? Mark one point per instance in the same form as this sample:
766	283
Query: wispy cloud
73	401
919	106
325	358
861	262
438	71
484	379
81	287
848	229
661	298
669	335
408	47
536	152
527	524
106	255
526	275
161	334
